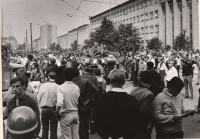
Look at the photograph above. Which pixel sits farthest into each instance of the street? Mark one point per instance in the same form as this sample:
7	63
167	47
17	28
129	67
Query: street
191	126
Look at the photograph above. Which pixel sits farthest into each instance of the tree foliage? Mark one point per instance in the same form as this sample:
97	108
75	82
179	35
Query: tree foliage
55	47
124	38
154	44
182	41
74	45
22	46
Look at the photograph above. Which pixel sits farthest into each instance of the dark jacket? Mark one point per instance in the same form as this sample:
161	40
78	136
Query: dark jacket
92	78
60	75
87	88
155	86
117	115
187	68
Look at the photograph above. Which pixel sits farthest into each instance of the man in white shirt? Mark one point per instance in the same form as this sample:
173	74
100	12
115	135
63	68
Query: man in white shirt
178	64
67	105
172	72
162	70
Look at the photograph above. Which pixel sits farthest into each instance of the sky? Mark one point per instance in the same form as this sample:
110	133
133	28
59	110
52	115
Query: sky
18	14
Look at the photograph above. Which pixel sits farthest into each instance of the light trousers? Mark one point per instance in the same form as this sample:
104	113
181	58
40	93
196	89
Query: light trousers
69	124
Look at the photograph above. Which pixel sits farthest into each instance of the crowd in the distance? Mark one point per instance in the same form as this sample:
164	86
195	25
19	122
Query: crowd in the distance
64	88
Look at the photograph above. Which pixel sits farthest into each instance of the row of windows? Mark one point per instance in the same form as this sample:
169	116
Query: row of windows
149	29
136	19
127	10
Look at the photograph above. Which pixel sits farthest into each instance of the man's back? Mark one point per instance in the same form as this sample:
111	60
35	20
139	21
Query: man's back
92	78
117	115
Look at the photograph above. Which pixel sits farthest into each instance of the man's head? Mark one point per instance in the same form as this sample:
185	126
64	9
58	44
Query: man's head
99	61
52	61
175	86
52	75
18	85
70	73
150	65
97	72
171	63
21	72
117	78
145	77
63	62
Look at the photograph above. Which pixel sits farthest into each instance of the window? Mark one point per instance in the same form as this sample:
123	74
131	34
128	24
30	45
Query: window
117	13
124	21
142	17
130	8
138	6
126	10
130	19
156	1
138	18
156	28
141	5
134	19
127	21
133	7
151	2
151	29
146	3
156	14
142	30
121	22
146	16
151	15
146	30
147	41
120	12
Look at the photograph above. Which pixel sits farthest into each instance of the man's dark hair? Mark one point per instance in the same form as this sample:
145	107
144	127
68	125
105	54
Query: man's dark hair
99	61
97	72
70	73
52	75
30	57
88	69
146	77
53	61
176	82
18	78
26	81
63	62
150	65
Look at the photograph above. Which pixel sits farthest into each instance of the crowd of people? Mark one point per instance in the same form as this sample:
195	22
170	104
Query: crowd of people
64	88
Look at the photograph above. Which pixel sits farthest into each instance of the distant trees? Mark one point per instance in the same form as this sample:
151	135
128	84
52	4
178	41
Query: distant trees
124	38
55	47
182	41
22	46
74	45
154	44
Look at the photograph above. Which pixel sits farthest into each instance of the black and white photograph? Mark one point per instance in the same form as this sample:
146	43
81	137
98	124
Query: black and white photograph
100	69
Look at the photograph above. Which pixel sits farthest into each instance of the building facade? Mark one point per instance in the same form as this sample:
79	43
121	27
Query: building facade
83	33
12	40
63	41
36	44
72	36
164	19
48	35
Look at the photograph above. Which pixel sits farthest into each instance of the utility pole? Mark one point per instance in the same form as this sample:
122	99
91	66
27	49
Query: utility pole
31	37
26	37
9	33
2	26
77	39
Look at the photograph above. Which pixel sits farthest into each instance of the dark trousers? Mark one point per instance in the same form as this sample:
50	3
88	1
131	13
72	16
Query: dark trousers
48	117
161	135
135	77
162	76
84	119
178	69
198	107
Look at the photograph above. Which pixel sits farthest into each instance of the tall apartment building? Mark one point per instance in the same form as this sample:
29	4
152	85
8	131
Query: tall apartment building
36	44
12	40
63	41
162	18
48	35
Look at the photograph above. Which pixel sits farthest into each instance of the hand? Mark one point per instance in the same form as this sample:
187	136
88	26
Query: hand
177	117
58	116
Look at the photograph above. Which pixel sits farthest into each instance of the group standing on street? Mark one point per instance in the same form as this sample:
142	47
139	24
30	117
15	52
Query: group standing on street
64	88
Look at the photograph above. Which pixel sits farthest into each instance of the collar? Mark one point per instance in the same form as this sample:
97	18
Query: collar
22	98
165	90
68	82
52	81
86	73
117	90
